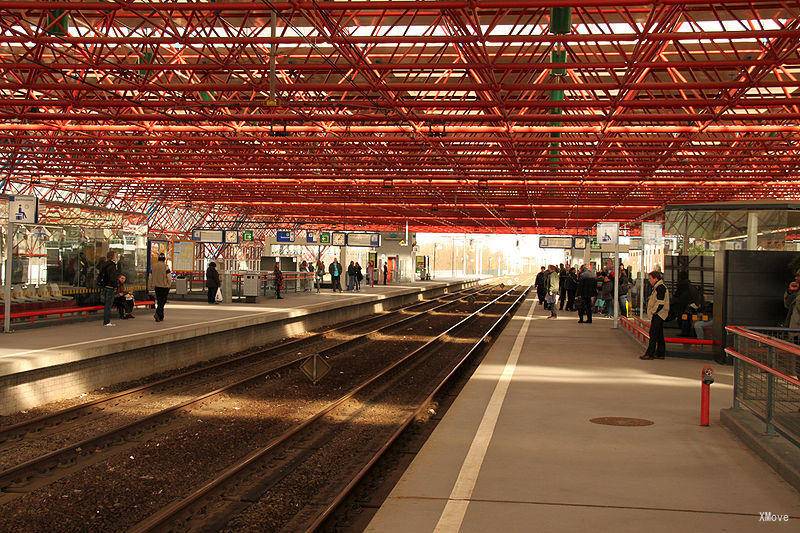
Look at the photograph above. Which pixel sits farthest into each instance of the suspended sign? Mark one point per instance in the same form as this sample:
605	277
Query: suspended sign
284	235
248	235
208	235
651	233
635	244
608	232
23	209
312	237
363	239
325	237
579	243
555	242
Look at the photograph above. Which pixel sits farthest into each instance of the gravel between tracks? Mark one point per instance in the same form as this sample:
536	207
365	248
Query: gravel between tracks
226	428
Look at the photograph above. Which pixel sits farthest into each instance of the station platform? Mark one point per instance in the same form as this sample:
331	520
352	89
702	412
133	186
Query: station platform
517	451
45	364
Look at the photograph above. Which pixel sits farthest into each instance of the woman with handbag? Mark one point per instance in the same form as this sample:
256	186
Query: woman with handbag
212	282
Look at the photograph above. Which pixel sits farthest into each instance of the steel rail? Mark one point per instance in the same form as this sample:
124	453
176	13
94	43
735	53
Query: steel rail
784	346
16	431
164	515
762	366
52	459
328	510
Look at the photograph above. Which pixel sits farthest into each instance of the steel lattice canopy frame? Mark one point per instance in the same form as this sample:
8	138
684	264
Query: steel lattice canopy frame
439	113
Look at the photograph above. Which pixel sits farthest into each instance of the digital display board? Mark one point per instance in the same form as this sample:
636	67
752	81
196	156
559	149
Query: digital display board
555	242
364	239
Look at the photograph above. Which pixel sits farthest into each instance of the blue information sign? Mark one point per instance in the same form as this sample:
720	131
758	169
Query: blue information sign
284	235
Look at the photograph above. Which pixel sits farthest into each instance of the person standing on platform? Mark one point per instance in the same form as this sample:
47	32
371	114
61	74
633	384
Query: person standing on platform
278	277
358	276
586	292
303	279
624	288
553	289
658	309
541	285
351	275
335	270
212	282
320	274
385	273
562	286
161	281
371	273
107	280
571	283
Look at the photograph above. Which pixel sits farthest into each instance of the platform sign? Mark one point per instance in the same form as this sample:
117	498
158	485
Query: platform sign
338	238
315	368
312	237
248	235
23	209
608	233
284	235
652	233
216	236
563	242
635	244
324	237
580	243
363	239
231	236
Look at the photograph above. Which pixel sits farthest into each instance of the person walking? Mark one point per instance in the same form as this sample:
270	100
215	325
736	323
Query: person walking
586	293
553	289
278	277
319	275
160	281
371	273
571	286
624	289
540	285
385	273
658	309
335	270
212	282
562	286
107	280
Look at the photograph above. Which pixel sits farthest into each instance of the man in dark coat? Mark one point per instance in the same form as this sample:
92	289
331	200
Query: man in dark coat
562	286
541	285
335	270
587	292
212	282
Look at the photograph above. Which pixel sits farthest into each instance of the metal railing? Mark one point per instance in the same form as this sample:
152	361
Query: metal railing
766	368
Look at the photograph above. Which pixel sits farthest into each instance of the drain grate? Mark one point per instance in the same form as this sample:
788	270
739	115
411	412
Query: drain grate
621	421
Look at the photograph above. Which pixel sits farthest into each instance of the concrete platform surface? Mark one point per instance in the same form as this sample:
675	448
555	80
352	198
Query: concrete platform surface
32	348
517	452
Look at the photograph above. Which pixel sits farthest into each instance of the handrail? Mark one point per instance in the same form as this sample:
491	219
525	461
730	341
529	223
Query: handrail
669	340
762	366
763	339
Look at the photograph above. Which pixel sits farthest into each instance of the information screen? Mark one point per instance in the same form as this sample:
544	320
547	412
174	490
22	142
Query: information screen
555	242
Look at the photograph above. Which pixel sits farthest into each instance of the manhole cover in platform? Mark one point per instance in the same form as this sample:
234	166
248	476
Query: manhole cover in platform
621	421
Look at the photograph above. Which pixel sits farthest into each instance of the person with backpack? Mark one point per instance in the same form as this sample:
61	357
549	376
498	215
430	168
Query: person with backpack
107	281
212	282
161	282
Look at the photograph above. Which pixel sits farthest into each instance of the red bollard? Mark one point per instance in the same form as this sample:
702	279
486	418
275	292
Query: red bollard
707	377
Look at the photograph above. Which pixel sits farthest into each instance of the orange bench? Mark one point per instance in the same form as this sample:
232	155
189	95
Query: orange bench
32	316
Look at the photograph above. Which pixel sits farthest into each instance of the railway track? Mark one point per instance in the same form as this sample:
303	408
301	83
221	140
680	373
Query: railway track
48	467
255	493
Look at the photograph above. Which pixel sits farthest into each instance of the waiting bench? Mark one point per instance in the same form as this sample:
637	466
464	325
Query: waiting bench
32	316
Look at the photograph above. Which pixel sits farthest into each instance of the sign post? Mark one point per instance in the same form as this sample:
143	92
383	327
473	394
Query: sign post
608	233
651	235
21	210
